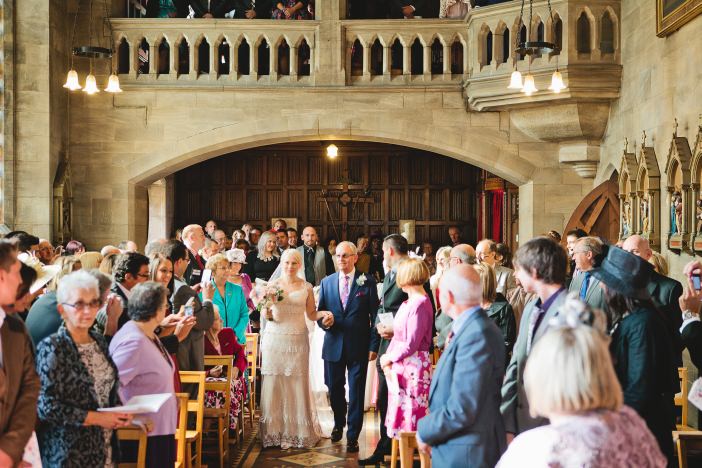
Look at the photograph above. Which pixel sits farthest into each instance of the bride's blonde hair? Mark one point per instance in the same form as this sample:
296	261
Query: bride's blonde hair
287	253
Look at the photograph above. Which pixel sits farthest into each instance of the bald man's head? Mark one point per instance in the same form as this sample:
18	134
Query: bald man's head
460	288
309	236
638	246
462	254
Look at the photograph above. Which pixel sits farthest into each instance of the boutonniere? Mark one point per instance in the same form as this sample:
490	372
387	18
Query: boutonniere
361	280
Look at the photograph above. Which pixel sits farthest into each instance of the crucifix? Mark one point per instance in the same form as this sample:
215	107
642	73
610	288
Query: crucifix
345	199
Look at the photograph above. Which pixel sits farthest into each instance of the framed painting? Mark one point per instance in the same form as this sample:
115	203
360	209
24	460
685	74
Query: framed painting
289	222
407	227
672	14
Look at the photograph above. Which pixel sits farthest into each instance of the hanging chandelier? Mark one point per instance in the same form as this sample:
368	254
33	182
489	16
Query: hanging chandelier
91	52
528	47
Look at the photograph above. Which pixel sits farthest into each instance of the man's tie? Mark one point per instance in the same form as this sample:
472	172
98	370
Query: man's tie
534	322
345	291
583	288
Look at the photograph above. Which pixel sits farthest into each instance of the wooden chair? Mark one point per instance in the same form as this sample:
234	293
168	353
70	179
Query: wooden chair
134	433
194	436
219	417
406	447
252	360
684	441
681	400
182	428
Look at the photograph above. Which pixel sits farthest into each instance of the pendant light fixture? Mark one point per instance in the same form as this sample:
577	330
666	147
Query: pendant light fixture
528	47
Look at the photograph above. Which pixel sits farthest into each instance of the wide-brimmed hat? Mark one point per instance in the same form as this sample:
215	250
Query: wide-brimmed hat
624	273
236	256
45	273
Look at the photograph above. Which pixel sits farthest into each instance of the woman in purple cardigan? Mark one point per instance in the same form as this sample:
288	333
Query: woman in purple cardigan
408	354
145	368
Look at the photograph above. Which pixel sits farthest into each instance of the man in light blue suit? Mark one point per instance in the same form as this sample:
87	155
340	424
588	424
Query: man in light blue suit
464	426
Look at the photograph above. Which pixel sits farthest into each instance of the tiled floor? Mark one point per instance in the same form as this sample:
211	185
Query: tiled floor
325	454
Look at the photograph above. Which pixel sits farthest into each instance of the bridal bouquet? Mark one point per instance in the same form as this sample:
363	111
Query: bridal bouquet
269	296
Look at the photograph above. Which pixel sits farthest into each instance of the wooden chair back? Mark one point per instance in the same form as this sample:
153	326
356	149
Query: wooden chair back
684	441
408	444
182	428
220	416
681	400
252	362
134	433
196	407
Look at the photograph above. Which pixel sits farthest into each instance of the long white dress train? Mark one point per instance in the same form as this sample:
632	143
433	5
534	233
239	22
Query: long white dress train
288	411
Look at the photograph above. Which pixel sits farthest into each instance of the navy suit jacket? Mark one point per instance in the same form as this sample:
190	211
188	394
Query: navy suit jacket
464	426
352	335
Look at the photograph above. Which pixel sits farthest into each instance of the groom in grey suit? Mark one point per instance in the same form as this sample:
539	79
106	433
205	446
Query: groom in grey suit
464	426
317	263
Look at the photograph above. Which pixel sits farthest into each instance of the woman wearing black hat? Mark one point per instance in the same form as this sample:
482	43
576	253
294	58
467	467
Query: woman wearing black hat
641	345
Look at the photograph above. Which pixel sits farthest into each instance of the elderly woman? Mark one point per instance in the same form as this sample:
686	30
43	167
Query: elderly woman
221	341
228	297
146	368
589	425
453	9
408	353
497	308
77	377
264	261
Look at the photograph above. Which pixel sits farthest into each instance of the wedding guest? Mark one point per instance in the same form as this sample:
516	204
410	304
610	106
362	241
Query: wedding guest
194	240
221	239
376	263
641	346
242	244
660	264
317	263
108	264
221	341
408	355
588	254
77	377
486	252
238	234
165	9
281	238
254	237
67	264
589	424
462	254
429	258
45	252
145	368
442	264
292	237
23	298
404	8
127	246
497	307
363	264
263	262
454	233
74	247
90	260
290	10
237	260
572	237
210	228
554	235
454	9
465	396
541	268
330	244
20	384
248	9
209	249
228	297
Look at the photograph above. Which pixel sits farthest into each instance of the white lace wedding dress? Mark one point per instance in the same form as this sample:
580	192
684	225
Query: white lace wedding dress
288	413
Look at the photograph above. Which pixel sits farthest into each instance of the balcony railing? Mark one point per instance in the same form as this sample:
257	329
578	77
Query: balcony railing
478	52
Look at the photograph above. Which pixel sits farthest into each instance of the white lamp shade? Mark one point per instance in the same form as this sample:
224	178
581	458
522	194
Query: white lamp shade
113	84
557	84
72	81
529	85
515	81
332	151
90	85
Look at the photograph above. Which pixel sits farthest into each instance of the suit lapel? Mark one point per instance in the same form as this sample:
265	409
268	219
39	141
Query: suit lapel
592	287
336	297
353	288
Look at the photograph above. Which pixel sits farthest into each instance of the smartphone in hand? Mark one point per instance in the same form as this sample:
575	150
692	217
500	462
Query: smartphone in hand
696	281
206	277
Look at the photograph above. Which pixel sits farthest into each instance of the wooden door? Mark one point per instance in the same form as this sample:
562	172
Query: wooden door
598	213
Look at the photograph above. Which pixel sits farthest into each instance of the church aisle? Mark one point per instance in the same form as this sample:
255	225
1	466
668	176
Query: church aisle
326	454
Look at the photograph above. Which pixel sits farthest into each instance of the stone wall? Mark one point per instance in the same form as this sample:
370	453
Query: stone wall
660	82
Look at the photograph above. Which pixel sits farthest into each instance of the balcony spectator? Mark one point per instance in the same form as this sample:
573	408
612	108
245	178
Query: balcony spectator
207	9
405	8
160	8
250	9
454	9
291	10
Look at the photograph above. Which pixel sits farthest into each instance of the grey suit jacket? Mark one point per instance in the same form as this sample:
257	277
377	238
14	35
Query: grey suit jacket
191	351
515	407
320	266
464	426
595	295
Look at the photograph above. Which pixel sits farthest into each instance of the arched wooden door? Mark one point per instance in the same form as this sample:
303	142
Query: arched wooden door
598	213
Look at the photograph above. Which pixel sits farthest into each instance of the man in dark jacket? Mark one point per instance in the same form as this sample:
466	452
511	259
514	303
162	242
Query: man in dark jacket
252	9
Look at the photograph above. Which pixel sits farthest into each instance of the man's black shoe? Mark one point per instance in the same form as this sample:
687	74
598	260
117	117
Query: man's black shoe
336	434
375	459
352	446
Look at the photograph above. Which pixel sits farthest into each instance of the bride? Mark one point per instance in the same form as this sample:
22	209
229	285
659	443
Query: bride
288	414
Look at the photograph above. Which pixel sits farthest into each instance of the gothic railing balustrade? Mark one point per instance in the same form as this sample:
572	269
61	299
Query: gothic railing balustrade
587	32
214	53
405	52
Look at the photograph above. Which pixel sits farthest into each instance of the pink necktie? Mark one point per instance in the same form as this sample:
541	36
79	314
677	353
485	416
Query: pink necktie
345	291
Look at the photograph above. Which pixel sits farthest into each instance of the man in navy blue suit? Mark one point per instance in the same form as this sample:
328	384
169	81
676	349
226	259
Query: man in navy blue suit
464	426
352	298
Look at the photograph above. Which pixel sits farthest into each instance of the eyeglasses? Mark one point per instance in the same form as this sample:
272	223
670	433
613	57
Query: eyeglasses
80	305
344	256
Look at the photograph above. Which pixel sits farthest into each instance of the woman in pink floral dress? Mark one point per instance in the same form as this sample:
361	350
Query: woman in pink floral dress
408	354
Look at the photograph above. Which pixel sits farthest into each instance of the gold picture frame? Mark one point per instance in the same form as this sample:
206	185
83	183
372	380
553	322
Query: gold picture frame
671	15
